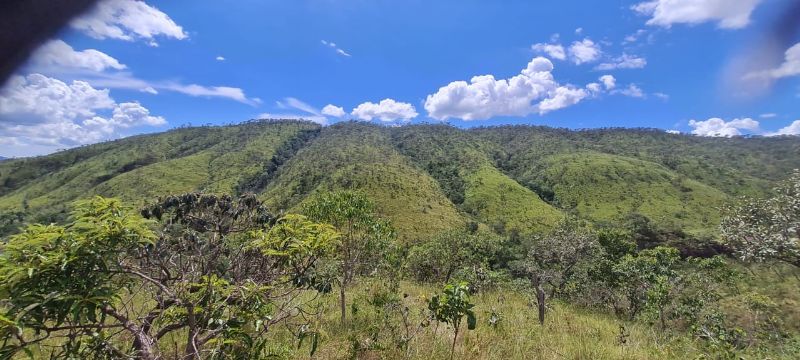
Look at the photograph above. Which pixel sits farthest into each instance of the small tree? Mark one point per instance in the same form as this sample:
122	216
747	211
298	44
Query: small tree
556	259
646	275
451	307
217	271
364	235
439	258
766	229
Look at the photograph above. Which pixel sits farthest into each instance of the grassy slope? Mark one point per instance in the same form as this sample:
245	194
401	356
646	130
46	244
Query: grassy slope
605	187
490	175
359	156
502	203
569	333
141	168
489	195
734	165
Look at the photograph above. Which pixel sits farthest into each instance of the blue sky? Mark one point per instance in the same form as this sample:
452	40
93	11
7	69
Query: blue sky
707	67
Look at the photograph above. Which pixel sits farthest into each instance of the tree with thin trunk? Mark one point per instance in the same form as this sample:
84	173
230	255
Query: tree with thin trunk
556	259
364	236
451	307
218	270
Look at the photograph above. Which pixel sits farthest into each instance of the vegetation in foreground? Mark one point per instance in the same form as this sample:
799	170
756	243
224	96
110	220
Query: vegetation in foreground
205	276
357	241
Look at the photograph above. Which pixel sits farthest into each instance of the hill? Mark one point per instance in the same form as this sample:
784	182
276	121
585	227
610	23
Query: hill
425	178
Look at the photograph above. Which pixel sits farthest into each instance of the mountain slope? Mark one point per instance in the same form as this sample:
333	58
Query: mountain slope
609	188
460	164
425	178
361	157
138	169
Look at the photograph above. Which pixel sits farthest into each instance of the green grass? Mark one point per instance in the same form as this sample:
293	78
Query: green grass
499	201
569	332
608	188
495	176
360	157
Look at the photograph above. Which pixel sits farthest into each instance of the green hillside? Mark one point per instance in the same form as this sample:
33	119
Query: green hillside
464	170
361	157
425	178
608	188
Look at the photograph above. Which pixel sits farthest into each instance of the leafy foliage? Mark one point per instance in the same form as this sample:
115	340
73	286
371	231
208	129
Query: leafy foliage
365	237
217	270
439	259
766	229
451	307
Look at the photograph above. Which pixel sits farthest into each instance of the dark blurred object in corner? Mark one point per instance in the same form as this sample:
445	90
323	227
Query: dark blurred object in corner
25	24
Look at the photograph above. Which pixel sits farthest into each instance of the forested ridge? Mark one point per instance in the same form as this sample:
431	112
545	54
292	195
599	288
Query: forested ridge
286	239
509	178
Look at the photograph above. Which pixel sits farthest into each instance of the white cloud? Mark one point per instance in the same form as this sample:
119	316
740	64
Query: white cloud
791	129
333	110
534	90
632	38
310	113
122	80
721	128
128	20
729	14
673	132
579	31
789	67
609	82
39	114
387	110
57	54
661	96
768	115
333	45
555	51
594	88
623	62
584	51
632	90
220	58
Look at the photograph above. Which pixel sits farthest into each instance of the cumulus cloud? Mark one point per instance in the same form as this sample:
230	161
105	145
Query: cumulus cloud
661	96
534	90
789	67
791	129
584	51
220	58
58	54
720	128
336	48
333	110
728	14
673	132
387	110
768	115
623	62
128	20
554	51
40	114
609	82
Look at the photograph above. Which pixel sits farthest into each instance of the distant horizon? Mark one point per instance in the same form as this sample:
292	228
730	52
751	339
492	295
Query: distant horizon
415	124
